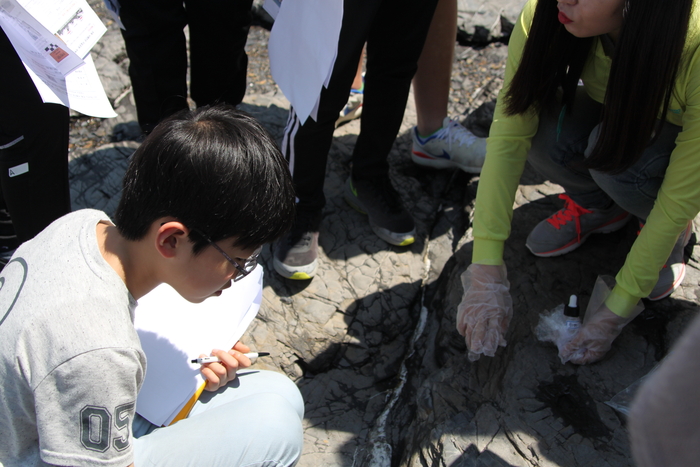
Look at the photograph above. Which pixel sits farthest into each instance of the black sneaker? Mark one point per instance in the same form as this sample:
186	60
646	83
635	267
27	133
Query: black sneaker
296	254
387	217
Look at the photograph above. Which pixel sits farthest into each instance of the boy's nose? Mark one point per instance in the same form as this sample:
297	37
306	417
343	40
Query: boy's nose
568	2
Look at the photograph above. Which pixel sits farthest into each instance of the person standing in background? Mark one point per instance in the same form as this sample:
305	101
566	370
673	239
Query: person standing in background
33	156
438	141
157	49
394	32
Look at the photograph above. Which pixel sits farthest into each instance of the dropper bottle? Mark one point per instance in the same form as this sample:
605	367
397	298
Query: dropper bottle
573	318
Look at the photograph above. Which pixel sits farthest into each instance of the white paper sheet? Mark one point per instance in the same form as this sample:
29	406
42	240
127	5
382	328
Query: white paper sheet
303	46
173	331
60	75
35	42
71	20
81	90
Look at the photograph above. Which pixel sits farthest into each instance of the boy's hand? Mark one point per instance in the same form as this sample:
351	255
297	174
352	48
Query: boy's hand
220	374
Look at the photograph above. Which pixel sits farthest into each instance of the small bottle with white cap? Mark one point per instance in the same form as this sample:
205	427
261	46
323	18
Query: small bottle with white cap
573	318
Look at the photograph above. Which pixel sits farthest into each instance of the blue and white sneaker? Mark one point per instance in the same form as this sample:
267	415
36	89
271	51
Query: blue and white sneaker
353	109
450	146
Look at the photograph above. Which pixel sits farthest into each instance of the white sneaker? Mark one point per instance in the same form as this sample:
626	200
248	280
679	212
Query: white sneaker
451	146
352	110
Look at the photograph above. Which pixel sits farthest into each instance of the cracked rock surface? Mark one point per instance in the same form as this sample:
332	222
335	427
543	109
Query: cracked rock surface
371	340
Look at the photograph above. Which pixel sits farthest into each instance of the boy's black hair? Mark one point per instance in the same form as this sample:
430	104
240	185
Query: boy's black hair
216	170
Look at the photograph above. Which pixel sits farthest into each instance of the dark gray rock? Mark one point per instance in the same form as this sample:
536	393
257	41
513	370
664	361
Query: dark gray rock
114	81
483	21
478	21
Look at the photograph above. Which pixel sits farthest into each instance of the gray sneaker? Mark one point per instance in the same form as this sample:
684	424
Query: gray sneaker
673	272
296	253
387	217
568	228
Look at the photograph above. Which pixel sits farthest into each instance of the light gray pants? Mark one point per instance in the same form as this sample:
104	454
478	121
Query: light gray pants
563	142
254	421
664	421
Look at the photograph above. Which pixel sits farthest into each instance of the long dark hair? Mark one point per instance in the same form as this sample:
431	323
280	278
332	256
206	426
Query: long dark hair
645	64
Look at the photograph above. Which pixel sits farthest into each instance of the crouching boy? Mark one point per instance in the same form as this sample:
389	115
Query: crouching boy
204	191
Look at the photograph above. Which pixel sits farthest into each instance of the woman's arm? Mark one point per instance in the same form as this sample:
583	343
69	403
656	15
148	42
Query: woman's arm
677	202
506	153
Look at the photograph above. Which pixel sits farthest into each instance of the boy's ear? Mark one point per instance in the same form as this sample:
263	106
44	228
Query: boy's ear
171	238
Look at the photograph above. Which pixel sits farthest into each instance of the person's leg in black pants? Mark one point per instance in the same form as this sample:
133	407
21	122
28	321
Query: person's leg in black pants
396	32
33	150
157	50
394	44
155	44
306	145
218	62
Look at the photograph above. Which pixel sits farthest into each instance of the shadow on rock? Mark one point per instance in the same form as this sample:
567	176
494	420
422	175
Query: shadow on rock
96	177
375	387
346	383
524	406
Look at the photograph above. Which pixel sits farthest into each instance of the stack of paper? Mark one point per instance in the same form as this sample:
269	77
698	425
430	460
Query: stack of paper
173	331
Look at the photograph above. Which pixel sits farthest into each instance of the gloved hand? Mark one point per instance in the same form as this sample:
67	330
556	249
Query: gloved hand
600	327
486	309
595	337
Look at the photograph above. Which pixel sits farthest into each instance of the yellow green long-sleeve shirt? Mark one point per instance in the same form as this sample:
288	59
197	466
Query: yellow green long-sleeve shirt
678	199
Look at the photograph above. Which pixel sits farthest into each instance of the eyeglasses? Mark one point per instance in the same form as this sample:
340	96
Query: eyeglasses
247	267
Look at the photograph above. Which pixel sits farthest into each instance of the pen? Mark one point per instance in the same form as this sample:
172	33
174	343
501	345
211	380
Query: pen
216	359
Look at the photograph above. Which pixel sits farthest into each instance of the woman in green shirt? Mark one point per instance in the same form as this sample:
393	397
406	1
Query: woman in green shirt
603	98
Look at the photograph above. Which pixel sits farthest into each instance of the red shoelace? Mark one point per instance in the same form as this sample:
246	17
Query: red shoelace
571	211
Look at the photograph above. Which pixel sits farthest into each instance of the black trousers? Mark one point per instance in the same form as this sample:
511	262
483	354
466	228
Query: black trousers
156	46
395	31
33	150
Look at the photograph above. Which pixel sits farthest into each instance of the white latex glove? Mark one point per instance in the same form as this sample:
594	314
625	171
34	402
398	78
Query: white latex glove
600	327
486	309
